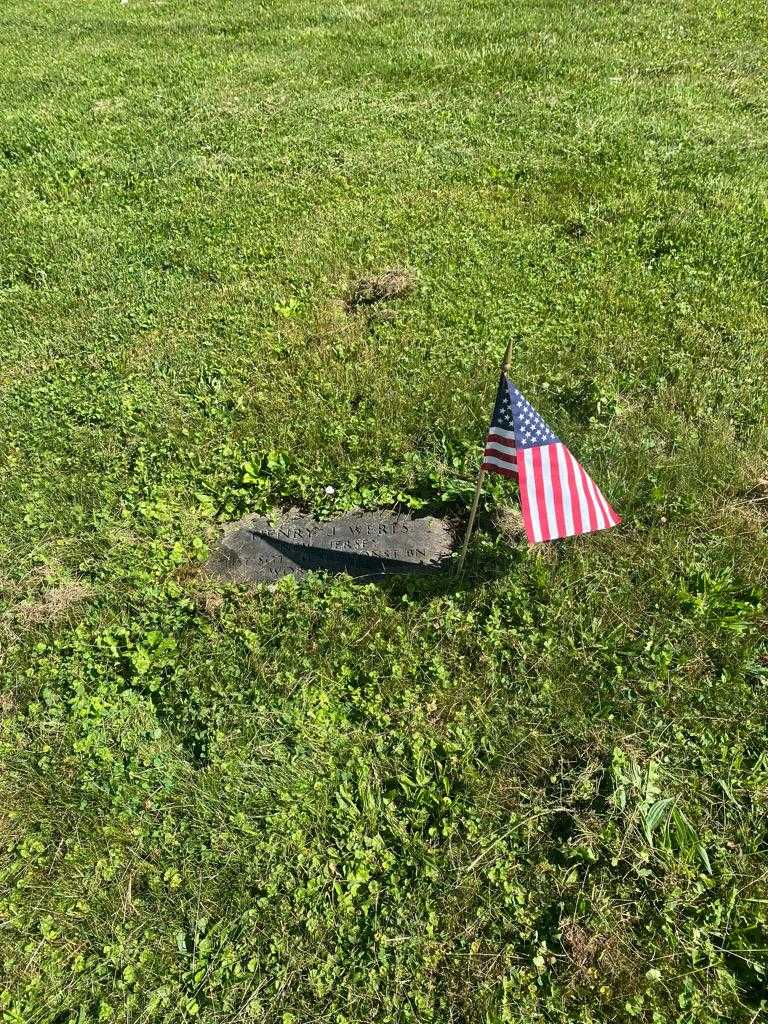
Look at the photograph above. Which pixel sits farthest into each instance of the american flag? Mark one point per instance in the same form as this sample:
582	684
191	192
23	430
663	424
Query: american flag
557	497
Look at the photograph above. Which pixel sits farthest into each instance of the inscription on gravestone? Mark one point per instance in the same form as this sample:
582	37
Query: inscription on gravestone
366	545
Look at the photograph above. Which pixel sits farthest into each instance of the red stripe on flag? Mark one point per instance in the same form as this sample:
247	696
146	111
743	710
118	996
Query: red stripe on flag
489	467
504	456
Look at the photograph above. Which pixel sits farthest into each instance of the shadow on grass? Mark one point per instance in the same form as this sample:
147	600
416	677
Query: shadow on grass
480	568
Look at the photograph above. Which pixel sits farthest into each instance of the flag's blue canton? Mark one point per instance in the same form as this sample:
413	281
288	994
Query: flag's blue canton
502	410
530	428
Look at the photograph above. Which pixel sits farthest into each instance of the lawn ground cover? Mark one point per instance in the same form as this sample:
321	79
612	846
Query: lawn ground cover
535	794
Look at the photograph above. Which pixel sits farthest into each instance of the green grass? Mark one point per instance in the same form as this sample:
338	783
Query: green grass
537	795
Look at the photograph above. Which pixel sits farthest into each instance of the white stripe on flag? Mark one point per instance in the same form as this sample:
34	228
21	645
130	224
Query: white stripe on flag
609	517
493	461
502	433
549	497
583	509
565	489
530	490
507	449
601	523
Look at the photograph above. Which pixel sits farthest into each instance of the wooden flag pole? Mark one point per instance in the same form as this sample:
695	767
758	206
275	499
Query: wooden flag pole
480	478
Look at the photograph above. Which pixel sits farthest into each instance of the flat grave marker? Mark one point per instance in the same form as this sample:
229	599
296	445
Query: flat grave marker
365	545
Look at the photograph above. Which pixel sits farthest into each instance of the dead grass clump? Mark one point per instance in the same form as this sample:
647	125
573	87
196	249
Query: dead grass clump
747	512
209	603
390	284
758	494
581	948
52	606
509	522
593	954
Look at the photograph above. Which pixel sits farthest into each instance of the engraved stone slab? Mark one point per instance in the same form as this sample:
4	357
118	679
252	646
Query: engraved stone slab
366	545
